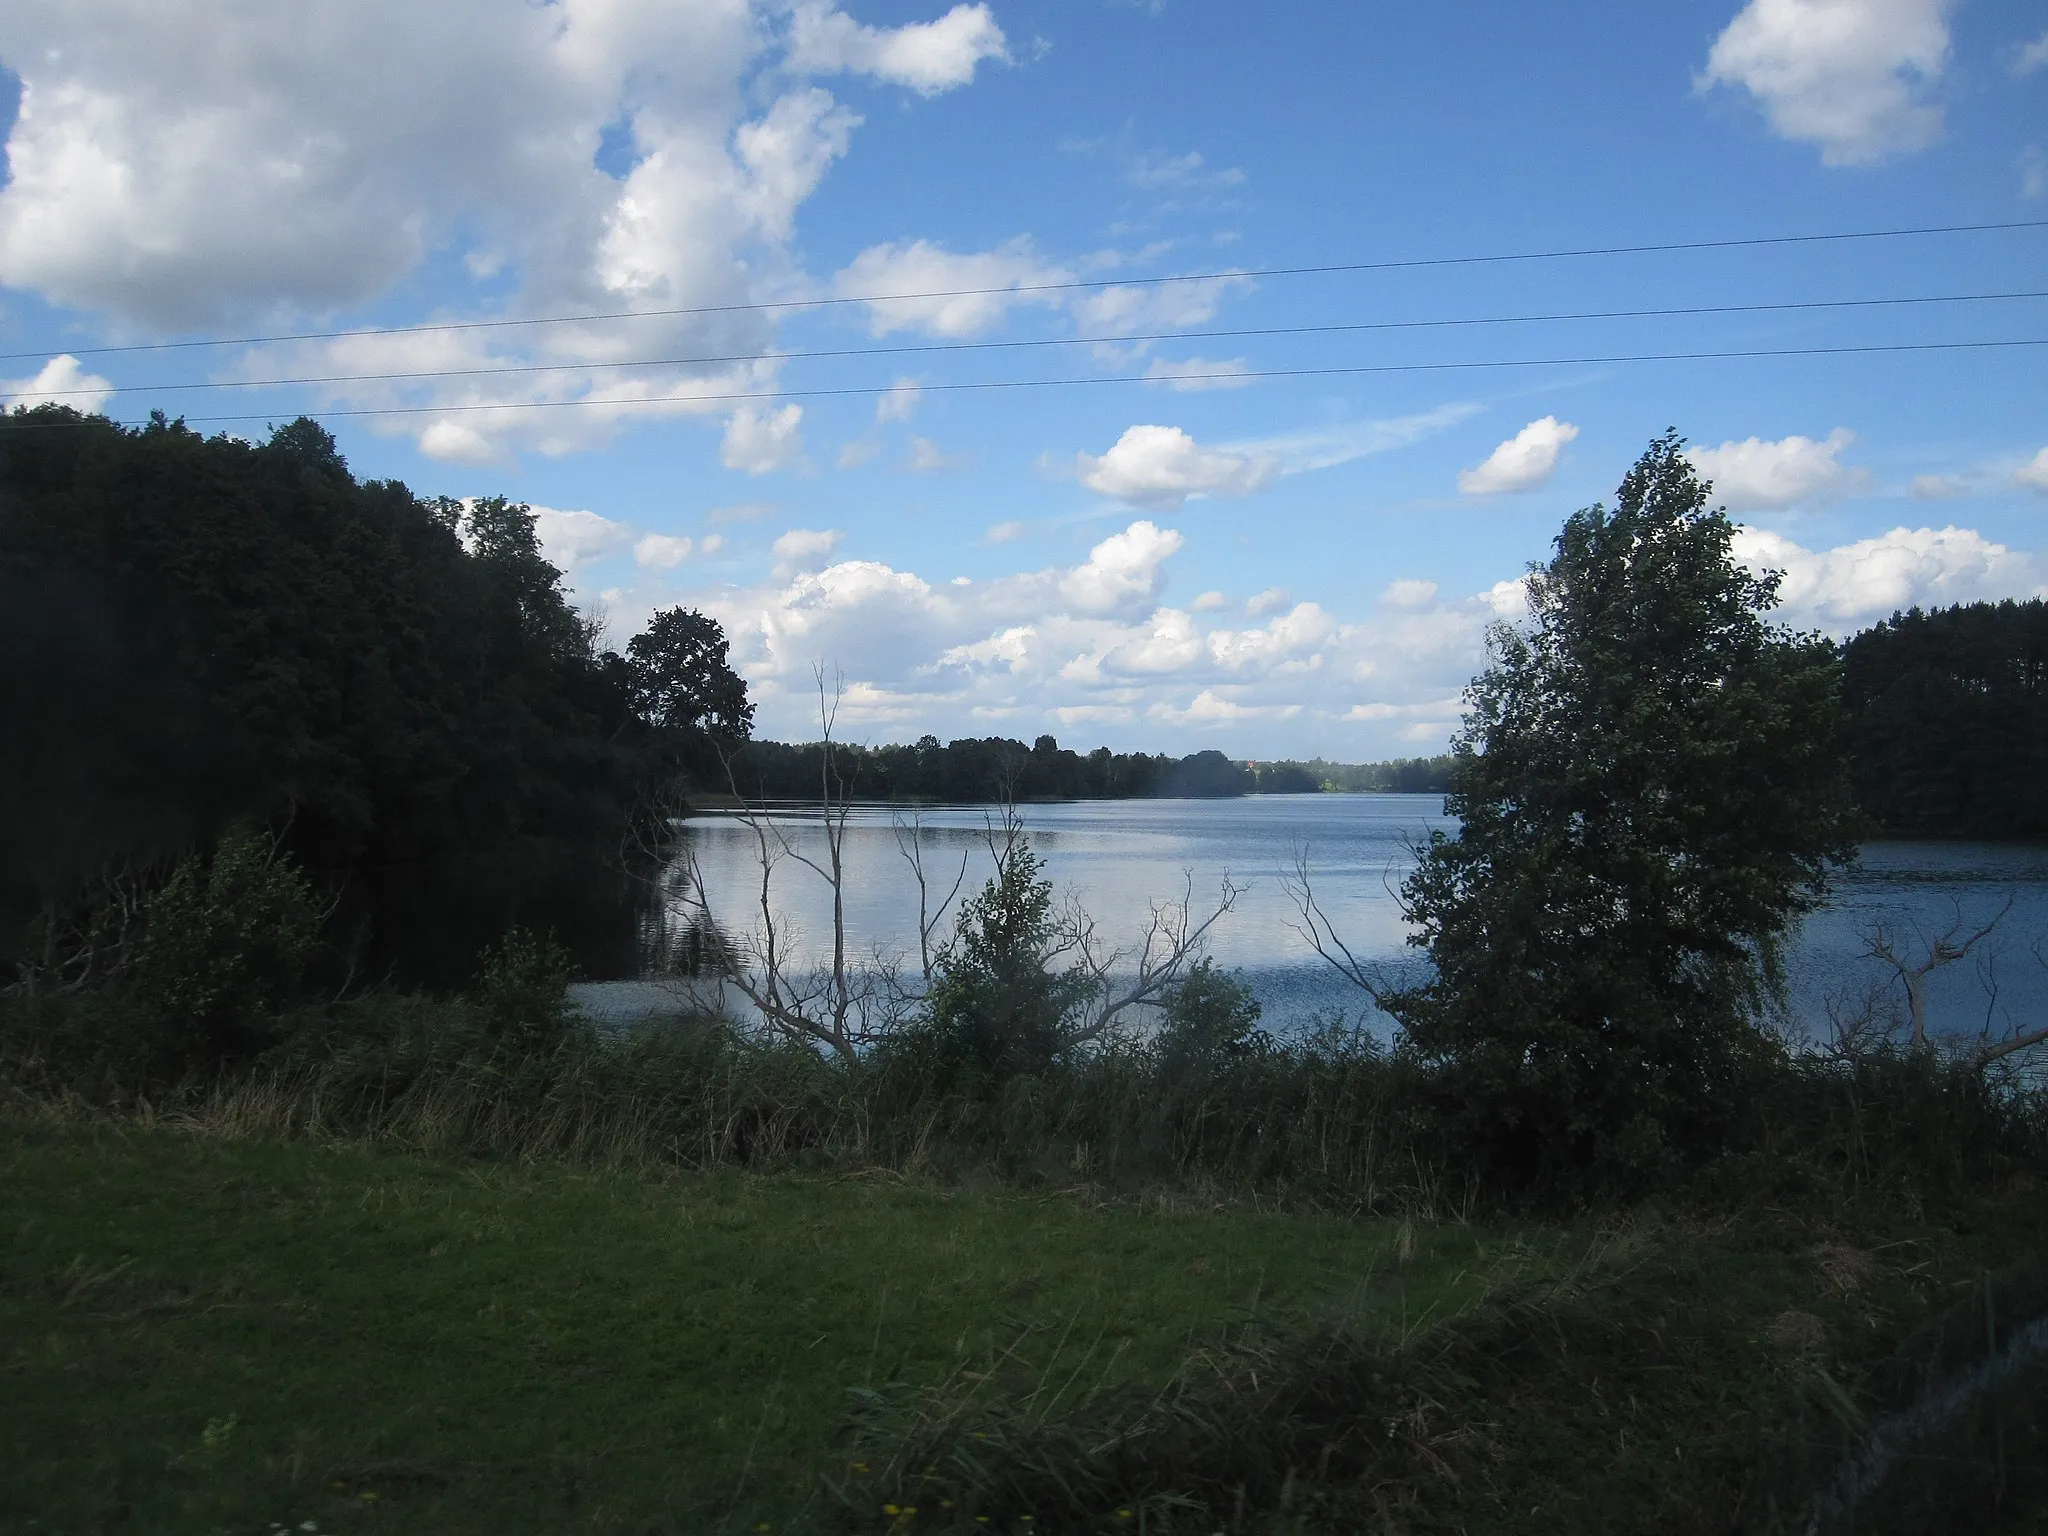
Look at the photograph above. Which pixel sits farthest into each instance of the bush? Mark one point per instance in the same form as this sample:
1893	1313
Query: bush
522	990
224	948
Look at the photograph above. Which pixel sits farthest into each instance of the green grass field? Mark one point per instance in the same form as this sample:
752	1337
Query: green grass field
213	1335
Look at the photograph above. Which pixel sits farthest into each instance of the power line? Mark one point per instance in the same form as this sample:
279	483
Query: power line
1064	285
733	397
926	348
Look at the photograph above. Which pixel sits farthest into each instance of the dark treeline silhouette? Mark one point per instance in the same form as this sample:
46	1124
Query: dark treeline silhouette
202	632
975	769
1949	720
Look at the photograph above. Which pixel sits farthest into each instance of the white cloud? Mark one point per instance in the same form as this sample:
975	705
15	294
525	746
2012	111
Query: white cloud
1857	583
1162	306
1939	487
1409	593
803	549
739	512
1849	75
965	294
1521	463
2031	56
859	451
1756	475
1162	467
164	181
1326	447
1188	170
1210	602
571	539
929	57
2033	163
928	458
456	442
899	402
2033	475
1003	533
710	544
1197	373
1268	600
60	381
1123	570
663	552
760	442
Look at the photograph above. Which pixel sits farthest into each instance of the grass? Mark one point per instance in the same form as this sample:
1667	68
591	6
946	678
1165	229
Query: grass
207	1334
212	1334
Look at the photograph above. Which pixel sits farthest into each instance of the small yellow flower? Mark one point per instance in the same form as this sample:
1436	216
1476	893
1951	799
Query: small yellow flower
860	1466
890	1509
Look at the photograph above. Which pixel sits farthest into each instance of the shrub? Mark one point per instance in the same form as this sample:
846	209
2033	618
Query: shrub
225	946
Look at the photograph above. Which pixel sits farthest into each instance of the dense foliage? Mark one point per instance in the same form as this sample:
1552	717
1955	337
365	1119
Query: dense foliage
198	632
982	769
1650	790
1949	720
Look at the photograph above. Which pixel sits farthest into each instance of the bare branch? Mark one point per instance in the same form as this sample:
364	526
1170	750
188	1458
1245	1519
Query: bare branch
1174	941
1320	934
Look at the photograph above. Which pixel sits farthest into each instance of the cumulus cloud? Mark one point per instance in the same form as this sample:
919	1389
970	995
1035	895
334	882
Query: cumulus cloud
1123	570
929	57
1851	76
1151	466
1939	487
963	293
60	381
1268	600
1857	583
167	183
2033	475
2029	57
1102	641
899	402
1521	463
805	548
572	539
662	551
1003	533
1755	475
928	458
762	441
1409	593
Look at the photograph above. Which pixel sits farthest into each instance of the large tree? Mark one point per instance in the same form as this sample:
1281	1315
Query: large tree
1650	791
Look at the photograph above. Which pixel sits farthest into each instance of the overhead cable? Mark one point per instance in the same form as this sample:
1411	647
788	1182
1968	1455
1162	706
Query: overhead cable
1063	285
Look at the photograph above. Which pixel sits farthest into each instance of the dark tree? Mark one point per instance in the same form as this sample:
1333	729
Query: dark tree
681	679
1650	786
1949	720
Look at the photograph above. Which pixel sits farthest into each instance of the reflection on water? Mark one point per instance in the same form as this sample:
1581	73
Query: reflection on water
1118	857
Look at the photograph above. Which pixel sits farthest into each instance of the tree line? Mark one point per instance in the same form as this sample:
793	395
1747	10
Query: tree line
198	633
997	768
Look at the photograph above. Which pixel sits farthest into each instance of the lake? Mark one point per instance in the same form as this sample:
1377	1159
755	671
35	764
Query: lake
1117	857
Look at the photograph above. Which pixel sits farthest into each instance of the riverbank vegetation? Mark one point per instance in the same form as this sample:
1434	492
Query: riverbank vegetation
296	1237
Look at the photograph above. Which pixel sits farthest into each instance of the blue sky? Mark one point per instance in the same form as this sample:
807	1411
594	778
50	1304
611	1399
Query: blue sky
1133	550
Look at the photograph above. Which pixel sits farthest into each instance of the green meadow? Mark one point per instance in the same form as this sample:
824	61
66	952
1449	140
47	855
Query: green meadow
207	1334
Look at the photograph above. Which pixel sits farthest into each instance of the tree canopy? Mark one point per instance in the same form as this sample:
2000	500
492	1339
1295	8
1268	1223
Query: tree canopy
1949	720
1650	790
197	632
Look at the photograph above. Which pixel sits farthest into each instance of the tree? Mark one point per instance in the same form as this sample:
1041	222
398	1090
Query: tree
1650	789
681	679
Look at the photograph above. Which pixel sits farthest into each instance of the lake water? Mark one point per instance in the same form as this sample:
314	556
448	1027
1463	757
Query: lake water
1118	857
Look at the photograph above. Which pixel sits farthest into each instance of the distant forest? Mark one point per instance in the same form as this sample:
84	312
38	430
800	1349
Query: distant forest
202	632
997	768
1949	721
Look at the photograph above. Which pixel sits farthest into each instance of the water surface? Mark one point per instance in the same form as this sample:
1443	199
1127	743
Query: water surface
1118	857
